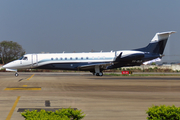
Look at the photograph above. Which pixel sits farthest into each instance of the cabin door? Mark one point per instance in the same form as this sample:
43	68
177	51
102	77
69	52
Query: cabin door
34	60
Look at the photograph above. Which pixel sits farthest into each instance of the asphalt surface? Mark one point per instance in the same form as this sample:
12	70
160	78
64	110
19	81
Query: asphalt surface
100	98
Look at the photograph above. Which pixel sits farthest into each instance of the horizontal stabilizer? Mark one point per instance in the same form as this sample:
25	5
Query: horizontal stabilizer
161	36
168	32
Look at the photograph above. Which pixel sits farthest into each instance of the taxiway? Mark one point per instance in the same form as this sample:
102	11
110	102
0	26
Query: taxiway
100	98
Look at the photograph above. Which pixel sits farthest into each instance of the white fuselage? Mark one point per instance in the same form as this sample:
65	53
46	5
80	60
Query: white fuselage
36	60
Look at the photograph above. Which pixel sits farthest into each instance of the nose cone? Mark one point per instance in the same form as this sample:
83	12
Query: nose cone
6	65
10	65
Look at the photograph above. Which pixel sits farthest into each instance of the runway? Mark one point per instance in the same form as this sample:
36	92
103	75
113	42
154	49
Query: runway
100	98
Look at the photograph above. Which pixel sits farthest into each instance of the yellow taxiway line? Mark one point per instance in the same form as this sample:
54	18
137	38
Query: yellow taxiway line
23	88
30	77
12	109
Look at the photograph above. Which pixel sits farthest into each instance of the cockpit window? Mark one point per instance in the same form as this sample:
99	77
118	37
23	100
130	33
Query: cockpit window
25	58
21	58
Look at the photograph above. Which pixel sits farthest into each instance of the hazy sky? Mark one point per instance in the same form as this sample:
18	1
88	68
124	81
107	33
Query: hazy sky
85	25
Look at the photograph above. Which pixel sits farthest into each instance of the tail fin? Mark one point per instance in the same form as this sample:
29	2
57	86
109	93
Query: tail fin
158	43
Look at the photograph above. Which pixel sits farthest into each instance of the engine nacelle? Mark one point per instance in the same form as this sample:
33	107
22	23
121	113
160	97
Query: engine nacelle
129	56
134	56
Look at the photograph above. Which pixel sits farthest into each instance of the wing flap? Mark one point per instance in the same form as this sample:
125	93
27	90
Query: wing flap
92	66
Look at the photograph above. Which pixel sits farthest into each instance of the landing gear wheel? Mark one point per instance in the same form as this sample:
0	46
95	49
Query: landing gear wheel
97	74
16	74
100	74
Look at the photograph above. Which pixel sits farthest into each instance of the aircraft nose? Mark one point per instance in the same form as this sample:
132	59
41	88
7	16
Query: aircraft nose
6	66
9	65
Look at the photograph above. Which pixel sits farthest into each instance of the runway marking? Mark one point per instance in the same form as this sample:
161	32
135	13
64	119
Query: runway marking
12	109
24	85
30	77
23	88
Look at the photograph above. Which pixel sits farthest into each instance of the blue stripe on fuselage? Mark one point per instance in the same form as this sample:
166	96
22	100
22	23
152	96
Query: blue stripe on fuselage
73	60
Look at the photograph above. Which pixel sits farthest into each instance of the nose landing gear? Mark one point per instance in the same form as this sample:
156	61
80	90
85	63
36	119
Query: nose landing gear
16	74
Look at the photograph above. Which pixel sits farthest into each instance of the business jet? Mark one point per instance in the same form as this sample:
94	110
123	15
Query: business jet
95	62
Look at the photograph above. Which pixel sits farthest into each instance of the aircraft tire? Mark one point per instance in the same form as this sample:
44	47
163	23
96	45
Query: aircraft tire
100	74
16	74
97	74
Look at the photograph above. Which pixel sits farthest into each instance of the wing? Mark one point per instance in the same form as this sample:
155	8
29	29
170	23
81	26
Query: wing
102	65
91	66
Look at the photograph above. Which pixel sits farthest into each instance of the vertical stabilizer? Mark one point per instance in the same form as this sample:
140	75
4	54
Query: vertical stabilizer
158	43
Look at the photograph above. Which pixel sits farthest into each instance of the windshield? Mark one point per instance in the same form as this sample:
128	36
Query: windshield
21	58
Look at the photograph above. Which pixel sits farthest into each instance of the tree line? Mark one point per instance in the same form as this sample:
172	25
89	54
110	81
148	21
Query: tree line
10	51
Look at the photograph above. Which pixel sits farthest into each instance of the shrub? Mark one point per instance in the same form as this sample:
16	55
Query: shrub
2	70
61	114
163	113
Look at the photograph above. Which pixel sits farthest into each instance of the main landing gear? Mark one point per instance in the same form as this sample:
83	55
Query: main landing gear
16	74
98	74
97	71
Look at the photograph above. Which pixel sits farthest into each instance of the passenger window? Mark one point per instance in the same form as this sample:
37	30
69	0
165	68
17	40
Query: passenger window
71	58
61	58
86	57
56	58
76	58
51	58
65	58
81	57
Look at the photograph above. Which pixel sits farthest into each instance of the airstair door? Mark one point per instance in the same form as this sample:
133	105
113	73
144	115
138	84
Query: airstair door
34	60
